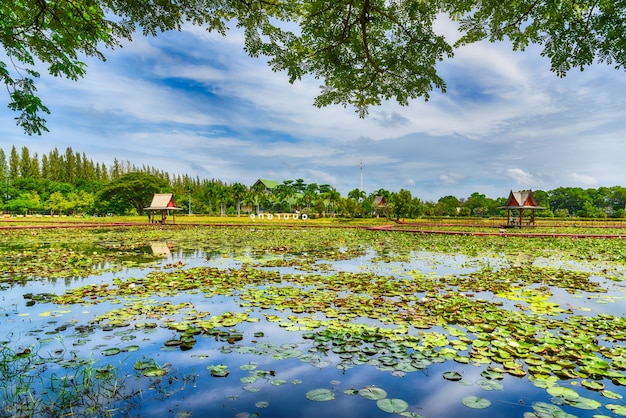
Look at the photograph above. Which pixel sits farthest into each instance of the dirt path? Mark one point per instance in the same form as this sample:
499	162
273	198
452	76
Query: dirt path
389	227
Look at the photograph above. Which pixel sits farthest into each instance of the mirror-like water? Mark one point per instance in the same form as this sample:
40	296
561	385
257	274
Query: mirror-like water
245	345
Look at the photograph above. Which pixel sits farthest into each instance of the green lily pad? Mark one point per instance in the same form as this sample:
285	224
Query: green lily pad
592	385
476	402
617	409
320	395
154	372
392	406
452	376
611	395
219	370
487	384
563	392
111	351
584	403
550	410
373	393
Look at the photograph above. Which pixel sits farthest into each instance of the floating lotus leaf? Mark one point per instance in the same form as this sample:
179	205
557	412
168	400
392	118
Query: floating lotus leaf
290	353
476	402
320	395
563	392
392	406
617	409
492	374
549	410
611	395
154	372
517	372
218	370
452	376
584	403
111	351
593	385
373	393
487	384
172	343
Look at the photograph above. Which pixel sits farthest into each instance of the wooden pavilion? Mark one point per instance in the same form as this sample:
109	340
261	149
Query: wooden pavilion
164	203
517	204
380	206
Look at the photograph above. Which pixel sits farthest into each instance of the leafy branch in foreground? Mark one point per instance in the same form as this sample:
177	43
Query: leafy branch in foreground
365	51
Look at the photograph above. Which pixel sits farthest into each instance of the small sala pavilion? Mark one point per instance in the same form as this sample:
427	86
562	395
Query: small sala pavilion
516	205
164	203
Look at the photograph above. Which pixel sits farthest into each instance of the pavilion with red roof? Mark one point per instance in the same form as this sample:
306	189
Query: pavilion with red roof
517	204
163	202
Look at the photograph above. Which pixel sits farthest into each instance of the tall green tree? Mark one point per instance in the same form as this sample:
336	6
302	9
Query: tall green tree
14	164
239	192
130	191
285	192
447	206
4	167
402	203
332	198
365	51
25	163
357	194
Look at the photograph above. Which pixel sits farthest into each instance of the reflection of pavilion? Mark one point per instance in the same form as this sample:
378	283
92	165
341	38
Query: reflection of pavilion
516	204
164	203
160	249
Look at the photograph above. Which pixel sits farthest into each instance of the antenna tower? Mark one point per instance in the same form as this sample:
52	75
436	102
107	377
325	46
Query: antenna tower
361	175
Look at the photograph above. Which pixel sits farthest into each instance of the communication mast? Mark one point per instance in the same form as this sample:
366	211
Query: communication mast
361	175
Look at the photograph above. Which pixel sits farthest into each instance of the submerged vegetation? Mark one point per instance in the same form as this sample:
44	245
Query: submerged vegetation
244	303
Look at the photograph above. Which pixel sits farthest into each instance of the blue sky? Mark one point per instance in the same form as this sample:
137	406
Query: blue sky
193	102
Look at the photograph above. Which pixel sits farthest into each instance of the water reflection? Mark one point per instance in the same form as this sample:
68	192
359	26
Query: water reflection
188	385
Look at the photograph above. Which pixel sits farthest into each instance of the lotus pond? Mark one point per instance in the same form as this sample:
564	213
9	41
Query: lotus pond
251	321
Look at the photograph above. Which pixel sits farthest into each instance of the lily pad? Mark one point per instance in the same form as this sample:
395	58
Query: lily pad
611	395
592	385
584	403
111	351
320	395
373	393
563	392
476	402
487	384
452	376
617	409
219	370
154	372
392	406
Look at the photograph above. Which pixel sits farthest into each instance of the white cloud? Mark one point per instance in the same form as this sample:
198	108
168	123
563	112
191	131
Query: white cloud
583	180
521	178
450	179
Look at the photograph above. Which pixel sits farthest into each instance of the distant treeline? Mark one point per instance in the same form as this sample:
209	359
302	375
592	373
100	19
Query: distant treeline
71	183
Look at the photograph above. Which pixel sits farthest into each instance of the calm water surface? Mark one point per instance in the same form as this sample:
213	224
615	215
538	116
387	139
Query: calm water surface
188	389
